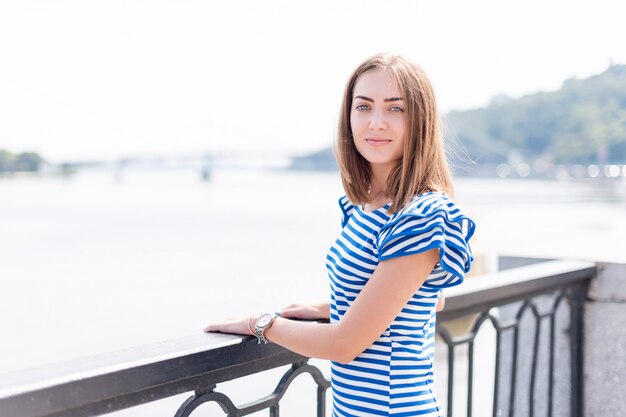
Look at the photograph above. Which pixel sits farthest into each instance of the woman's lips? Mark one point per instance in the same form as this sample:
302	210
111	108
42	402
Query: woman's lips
378	141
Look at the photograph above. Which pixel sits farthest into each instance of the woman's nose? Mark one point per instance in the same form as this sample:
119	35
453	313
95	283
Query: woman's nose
377	121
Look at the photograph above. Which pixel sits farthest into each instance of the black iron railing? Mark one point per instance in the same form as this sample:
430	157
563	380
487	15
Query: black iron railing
534	312
119	380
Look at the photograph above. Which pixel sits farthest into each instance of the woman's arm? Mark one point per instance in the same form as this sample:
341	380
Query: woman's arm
388	290
441	303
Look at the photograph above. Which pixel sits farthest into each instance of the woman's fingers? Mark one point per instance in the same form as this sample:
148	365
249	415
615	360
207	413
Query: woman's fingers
236	325
291	310
215	327
301	311
298	312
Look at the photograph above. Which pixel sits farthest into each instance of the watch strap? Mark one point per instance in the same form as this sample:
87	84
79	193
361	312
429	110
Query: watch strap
259	331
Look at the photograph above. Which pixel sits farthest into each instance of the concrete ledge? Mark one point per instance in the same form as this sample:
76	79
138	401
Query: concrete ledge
605	359
605	343
610	284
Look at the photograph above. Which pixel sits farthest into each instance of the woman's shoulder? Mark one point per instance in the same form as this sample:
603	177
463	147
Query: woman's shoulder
345	204
430	220
430	208
430	203
347	207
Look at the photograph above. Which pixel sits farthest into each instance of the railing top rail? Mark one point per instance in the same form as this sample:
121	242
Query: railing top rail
117	380
513	284
93	366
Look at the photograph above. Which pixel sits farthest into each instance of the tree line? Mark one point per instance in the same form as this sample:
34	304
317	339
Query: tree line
25	161
584	122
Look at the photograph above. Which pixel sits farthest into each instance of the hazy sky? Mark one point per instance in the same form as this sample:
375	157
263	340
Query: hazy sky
84	78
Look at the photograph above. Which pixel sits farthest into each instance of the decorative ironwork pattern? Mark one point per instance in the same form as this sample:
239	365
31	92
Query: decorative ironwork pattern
524	317
270	402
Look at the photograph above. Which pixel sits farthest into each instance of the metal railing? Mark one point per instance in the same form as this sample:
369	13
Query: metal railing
533	311
119	380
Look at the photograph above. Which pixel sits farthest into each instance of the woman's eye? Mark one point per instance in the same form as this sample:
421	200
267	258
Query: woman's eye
362	107
396	108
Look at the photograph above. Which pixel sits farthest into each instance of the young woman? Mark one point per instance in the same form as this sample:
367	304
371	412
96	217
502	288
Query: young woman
402	241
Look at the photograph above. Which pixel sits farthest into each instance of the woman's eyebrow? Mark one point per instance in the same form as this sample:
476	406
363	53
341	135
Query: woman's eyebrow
387	100
364	98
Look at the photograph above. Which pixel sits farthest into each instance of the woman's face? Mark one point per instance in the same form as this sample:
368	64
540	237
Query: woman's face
377	119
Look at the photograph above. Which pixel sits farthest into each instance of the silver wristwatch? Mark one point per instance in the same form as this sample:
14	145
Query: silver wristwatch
263	322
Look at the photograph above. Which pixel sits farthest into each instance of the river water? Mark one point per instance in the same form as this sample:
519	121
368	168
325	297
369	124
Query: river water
102	262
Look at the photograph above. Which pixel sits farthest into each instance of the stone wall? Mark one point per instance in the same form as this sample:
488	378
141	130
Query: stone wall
605	343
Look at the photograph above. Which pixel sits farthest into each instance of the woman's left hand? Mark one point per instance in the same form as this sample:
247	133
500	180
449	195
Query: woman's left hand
237	325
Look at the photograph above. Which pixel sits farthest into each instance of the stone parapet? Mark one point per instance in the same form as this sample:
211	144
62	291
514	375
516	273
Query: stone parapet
605	343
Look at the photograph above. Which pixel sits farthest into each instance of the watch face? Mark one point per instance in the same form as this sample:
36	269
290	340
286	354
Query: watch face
264	320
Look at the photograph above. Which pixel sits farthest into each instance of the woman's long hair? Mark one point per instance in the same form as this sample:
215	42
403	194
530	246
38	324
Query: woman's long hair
423	166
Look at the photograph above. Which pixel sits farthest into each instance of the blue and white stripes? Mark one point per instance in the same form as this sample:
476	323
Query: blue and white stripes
393	377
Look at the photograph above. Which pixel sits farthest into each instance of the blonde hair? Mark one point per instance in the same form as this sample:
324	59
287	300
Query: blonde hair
423	166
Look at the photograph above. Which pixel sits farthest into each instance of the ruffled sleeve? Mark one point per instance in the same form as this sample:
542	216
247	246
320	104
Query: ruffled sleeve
431	221
346	209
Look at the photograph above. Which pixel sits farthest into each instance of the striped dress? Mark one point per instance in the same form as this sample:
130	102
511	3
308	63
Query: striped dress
394	376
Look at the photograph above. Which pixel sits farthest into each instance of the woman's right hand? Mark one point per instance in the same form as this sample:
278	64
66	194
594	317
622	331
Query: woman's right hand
307	311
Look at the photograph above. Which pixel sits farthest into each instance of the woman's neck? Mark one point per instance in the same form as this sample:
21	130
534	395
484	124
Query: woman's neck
378	182
378	191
